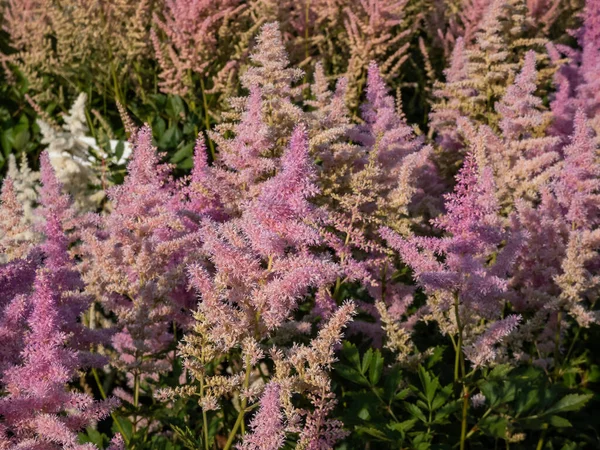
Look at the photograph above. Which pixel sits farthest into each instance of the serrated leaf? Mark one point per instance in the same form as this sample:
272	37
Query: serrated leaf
350	352
351	374
376	368
366	361
415	411
402	394
402	427
571	402
430	385
560	422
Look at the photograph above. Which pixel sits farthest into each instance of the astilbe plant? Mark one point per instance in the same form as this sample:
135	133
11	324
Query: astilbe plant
49	344
522	151
577	81
558	281
194	40
133	260
465	294
255	270
479	74
106	42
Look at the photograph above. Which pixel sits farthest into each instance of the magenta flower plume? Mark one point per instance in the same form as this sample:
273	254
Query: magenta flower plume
578	82
577	188
203	198
464	283
38	406
267	428
134	258
280	216
384	130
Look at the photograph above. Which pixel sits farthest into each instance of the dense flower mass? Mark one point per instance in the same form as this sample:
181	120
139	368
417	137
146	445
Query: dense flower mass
301	224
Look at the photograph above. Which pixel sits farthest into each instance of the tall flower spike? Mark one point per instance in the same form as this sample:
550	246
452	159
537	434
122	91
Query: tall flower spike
272	73
578	185
464	288
267	430
522	154
279	217
15	233
38	407
134	259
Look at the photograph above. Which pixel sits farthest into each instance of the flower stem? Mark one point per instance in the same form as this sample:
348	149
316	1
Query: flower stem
207	120
112	414
204	418
242	412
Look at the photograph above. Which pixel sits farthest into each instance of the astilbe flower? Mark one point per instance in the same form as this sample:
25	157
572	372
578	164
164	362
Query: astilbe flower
77	40
550	280
267	425
16	282
38	411
276	228
190	41
577	190
15	232
479	74
463	289
372	179
133	260
577	81
257	264
25	185
57	211
70	158
393	158
48	342
377	30
522	151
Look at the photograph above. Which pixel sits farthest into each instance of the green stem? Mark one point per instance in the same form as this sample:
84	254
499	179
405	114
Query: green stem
204	418
242	412
112	414
136	396
463	425
207	120
540	444
459	364
557	345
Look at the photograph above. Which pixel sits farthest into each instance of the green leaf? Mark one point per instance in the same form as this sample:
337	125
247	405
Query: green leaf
366	361
415	411
494	426
350	352
183	153
351	374
6	141
175	107
571	402
560	422
430	385
126	427
119	149
21	138
376	368
402	427
391	383
402	394
375	432
94	437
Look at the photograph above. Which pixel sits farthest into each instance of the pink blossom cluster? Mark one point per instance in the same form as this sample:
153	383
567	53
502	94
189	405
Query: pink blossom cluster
495	213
